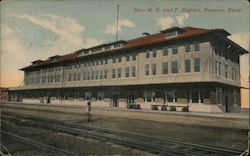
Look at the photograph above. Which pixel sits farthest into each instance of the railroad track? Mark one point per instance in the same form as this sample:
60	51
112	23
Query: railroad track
36	144
134	140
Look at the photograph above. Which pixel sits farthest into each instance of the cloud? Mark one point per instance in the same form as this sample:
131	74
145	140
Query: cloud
111	28
241	38
181	18
66	28
167	22
14	54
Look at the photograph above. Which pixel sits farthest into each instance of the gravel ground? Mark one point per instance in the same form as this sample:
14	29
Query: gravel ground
78	145
194	129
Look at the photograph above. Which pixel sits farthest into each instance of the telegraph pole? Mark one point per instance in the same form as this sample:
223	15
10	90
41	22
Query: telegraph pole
117	23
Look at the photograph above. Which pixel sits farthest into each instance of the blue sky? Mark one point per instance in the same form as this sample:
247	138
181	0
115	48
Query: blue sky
32	30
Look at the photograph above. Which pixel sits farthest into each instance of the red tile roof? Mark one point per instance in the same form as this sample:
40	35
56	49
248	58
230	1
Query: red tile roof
137	42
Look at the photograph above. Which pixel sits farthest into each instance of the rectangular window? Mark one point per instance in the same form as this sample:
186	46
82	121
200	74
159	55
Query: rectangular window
119	59
174	49
134	57
226	71
232	73
146	69
107	47
88	95
197	64
105	74
106	61
216	68
165	51
165	68
100	96
114	60
187	66
153	66
149	96
78	76
175	67
154	52
97	75
128	57
113	73
69	77
133	71
147	54
127	72
187	48
92	75
119	72
219	68
196	46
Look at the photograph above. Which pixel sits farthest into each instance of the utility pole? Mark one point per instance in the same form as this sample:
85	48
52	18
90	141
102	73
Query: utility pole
117	23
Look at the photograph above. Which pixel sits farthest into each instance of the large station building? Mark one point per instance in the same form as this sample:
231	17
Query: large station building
193	66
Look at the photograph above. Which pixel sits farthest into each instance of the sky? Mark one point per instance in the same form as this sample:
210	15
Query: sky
38	29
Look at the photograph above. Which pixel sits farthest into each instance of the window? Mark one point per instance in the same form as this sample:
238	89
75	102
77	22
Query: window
146	69
69	77
187	66
89	75
74	77
133	71
119	72
119	59
149	96
127	72
219	68
106	61
127	57
187	48
92	75
165	51
197	64
88	95
226	71
175	67
97	62
170	96
216	68
105	74
113	73
78	76
170	34
196	46
153	69
175	49
134	57
108	47
101	74
117	45
100	96
97	75
147	54
114	60
232	73
154	53
165	68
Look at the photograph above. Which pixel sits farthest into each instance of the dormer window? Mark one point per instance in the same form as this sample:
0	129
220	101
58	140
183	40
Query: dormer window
171	34
117	45
107	47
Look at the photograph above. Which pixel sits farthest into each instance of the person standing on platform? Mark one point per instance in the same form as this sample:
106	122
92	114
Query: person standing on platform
88	111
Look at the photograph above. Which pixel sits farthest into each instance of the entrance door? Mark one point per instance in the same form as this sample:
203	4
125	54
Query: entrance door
115	100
